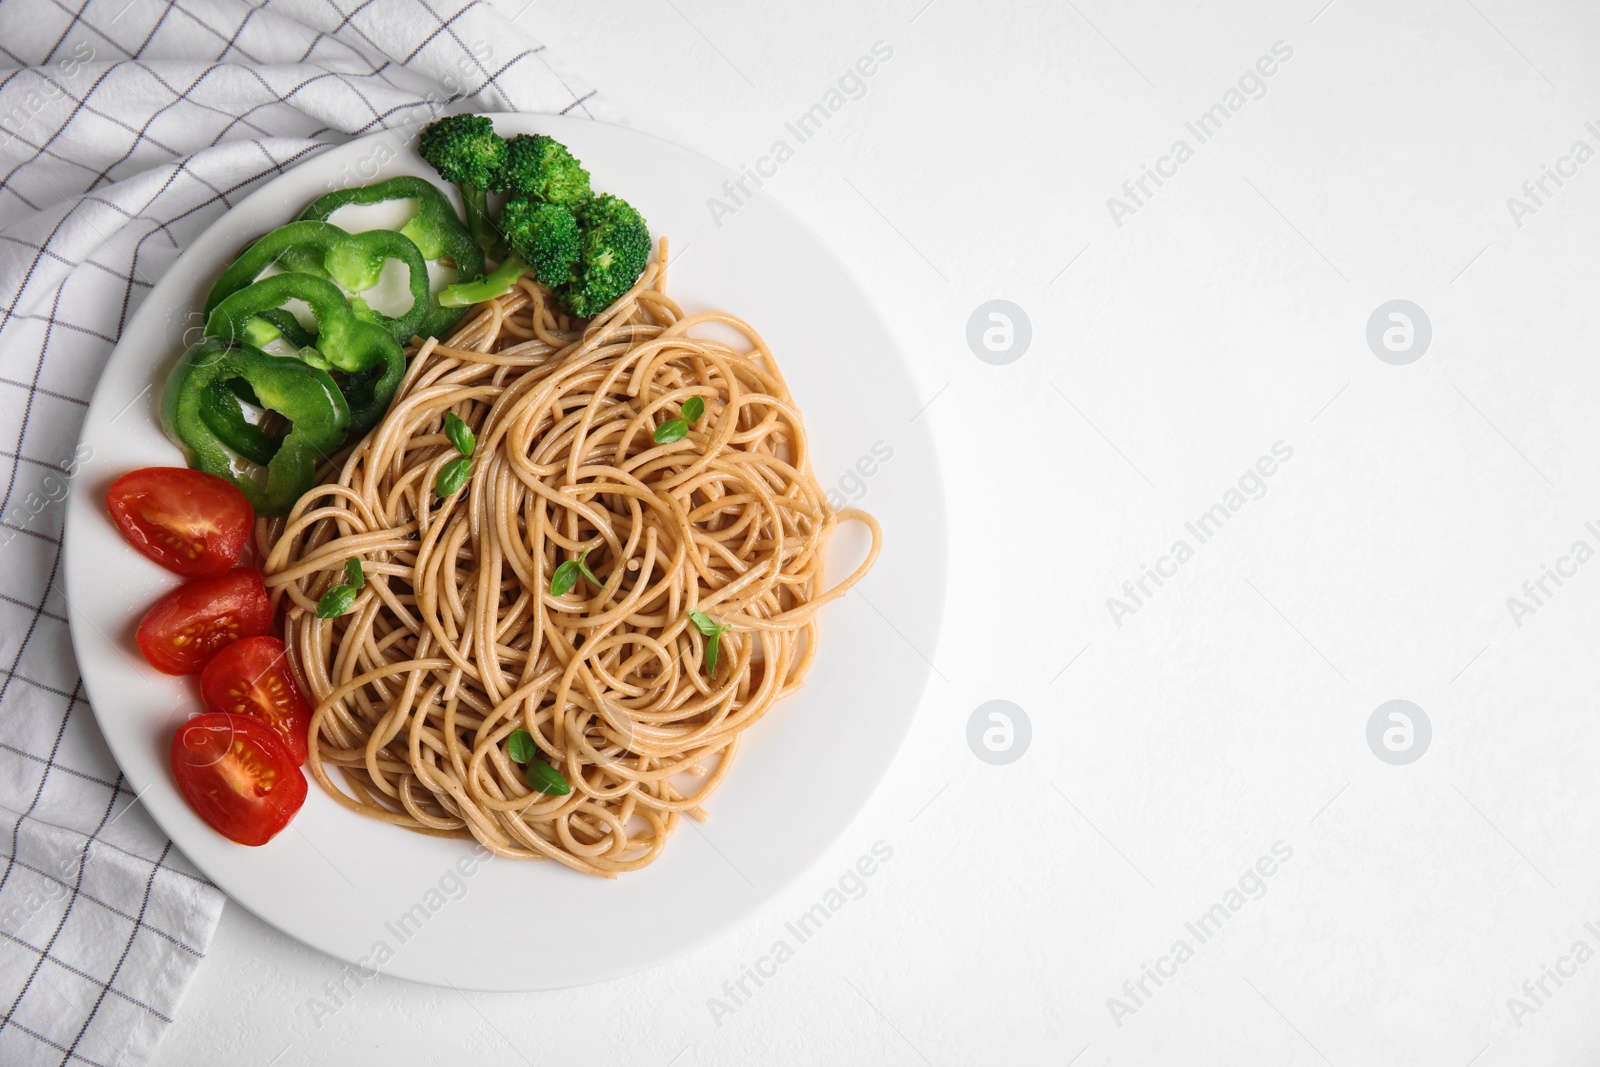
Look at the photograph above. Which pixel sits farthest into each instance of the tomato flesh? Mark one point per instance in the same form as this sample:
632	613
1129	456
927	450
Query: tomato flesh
188	521
189	625
237	775
253	677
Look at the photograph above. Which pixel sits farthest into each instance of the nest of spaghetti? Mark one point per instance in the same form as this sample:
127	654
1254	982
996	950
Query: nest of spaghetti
456	640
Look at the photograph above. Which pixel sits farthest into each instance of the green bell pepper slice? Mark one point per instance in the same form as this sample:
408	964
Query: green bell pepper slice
290	330
306	396
371	358
354	260
219	407
436	230
288	327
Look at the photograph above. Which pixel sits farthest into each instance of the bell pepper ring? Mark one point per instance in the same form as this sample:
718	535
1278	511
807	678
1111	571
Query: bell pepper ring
302	394
436	230
220	409
288	327
363	350
224	416
353	260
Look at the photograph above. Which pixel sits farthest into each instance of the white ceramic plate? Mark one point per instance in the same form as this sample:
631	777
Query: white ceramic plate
376	895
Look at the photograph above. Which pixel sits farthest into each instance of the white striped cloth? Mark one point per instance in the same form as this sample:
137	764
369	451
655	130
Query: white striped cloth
127	127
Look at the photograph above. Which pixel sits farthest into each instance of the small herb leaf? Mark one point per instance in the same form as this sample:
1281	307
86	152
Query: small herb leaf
670	431
354	576
460	433
336	602
520	746
543	778
452	476
693	408
713	632
583	568
564	579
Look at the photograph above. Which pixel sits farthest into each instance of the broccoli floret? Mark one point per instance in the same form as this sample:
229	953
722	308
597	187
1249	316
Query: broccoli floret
541	167
546	236
466	151
616	246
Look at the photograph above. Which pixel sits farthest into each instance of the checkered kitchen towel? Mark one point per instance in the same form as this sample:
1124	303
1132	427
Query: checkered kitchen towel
127	127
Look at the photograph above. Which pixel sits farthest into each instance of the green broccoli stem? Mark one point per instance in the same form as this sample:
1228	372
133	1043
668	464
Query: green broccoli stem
483	229
497	282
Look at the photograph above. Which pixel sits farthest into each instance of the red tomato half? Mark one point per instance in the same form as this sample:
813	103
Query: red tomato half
237	775
188	521
193	622
253	677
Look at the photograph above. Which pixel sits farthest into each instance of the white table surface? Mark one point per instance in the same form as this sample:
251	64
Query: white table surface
1229	713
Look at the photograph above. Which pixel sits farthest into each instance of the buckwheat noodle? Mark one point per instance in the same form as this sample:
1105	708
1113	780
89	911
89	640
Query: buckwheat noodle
455	640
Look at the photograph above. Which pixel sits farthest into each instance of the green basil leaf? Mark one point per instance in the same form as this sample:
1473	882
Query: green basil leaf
583	568
354	576
712	644
565	578
453	476
460	433
670	431
520	746
703	622
543	778
693	408
336	602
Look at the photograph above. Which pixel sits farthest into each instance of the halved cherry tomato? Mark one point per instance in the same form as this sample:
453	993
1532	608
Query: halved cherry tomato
237	775
253	677
193	622
188	521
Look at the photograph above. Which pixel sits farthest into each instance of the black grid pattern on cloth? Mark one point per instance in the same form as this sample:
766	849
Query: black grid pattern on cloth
126	128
